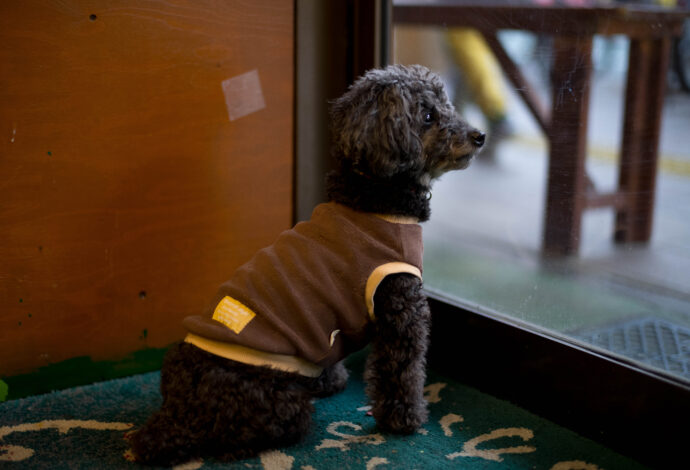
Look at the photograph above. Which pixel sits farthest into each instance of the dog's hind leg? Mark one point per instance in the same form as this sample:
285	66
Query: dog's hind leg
266	410
164	440
395	370
172	434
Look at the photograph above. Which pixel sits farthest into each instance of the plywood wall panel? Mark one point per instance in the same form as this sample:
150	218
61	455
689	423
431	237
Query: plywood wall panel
126	193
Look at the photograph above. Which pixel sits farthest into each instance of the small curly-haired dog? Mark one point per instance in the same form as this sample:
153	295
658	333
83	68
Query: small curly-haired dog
243	379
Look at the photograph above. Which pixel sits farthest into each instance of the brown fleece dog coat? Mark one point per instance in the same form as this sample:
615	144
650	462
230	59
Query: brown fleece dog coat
305	302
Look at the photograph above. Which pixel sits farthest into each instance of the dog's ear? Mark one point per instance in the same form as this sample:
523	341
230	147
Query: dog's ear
373	129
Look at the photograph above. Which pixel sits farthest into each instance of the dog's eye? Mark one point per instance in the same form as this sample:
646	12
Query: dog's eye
428	118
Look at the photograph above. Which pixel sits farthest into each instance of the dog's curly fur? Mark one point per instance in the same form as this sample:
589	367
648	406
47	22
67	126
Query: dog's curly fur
394	131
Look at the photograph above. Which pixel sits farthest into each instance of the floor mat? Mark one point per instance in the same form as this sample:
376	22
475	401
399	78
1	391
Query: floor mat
83	428
649	340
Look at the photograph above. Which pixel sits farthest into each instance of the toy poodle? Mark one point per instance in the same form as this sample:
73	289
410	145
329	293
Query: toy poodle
244	378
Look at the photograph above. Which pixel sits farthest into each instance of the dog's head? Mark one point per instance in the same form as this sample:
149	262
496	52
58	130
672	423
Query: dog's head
399	120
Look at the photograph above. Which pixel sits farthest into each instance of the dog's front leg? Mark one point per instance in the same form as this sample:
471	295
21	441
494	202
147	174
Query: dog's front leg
395	370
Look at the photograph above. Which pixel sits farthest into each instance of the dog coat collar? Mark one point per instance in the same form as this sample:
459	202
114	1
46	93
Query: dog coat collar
398	219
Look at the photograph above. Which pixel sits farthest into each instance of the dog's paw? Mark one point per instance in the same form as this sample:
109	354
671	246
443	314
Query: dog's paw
333	380
400	418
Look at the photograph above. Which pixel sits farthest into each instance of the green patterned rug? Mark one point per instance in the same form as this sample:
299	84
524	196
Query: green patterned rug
84	427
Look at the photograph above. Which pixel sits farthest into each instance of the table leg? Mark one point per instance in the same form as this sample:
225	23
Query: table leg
566	186
647	69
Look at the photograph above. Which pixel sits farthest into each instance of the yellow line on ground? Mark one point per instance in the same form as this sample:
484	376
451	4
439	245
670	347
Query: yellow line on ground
672	164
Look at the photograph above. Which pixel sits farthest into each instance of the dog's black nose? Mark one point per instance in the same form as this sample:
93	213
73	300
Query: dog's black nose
478	138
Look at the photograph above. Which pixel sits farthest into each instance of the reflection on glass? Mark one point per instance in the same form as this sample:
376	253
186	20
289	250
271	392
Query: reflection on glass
484	244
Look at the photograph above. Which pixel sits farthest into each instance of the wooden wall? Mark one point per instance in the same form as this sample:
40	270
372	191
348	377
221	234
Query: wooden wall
126	192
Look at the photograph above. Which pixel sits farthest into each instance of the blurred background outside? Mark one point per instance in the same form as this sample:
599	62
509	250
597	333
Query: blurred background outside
483	242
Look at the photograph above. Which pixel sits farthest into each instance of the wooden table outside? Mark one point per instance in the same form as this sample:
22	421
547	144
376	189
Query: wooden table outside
650	31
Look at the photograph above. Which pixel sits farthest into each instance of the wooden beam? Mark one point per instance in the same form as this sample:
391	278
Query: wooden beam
641	129
522	86
565	199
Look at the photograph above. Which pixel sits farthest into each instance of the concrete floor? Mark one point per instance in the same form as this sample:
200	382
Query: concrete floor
484	237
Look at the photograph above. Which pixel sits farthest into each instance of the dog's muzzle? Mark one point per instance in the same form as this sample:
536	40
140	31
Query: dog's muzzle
477	138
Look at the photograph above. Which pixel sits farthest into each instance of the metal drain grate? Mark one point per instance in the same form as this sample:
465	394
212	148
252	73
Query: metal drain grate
655	342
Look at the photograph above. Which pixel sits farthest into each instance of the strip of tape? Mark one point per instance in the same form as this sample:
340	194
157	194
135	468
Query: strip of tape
243	95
